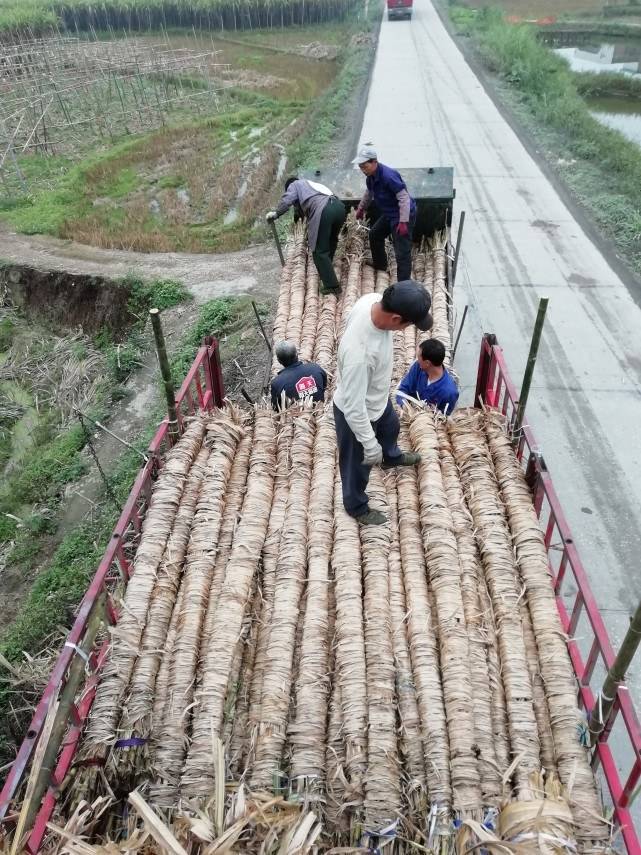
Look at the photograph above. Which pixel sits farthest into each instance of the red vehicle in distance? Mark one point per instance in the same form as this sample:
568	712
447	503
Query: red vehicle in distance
399	9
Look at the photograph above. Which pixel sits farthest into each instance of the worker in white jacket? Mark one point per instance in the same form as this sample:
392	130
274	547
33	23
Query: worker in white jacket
367	426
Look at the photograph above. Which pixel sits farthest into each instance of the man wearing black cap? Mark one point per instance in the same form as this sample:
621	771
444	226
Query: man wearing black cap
367	426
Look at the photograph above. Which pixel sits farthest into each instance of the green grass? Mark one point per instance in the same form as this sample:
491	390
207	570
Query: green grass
602	168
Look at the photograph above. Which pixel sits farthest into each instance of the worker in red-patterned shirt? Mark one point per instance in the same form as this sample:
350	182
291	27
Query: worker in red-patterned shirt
297	380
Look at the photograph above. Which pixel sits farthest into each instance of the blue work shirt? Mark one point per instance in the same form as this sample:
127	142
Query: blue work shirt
383	186
298	381
442	393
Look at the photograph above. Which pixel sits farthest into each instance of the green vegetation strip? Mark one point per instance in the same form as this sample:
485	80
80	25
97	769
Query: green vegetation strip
600	166
37	16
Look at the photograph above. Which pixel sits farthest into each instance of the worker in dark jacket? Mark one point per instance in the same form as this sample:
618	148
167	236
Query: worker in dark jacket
325	217
296	381
396	208
428	379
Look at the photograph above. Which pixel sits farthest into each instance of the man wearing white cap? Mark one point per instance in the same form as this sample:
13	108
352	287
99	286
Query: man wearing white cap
396	209
325	215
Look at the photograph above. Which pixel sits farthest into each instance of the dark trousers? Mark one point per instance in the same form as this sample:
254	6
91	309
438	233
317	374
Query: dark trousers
331	223
354	473
381	229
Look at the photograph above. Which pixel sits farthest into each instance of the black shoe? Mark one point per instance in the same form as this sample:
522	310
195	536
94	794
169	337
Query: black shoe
326	291
407	458
371	517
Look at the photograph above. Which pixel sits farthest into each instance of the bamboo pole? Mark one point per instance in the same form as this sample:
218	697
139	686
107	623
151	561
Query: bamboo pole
165	370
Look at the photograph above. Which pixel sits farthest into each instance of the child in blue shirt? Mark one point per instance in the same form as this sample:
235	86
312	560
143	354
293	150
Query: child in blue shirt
429	380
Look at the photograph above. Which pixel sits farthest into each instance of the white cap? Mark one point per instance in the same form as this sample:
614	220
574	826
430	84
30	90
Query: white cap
365	153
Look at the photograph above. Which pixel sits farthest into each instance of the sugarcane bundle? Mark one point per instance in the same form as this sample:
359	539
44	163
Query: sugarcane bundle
297	296
294	249
349	643
441	310
234	495
444	571
271	548
491	768
555	665
410	737
472	457
308	730
325	340
129	631
292	564
199	774
137	721
382	781
310	315
224	433
422	641
235	724
352	289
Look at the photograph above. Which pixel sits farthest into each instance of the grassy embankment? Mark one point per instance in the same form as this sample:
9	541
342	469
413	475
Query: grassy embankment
600	167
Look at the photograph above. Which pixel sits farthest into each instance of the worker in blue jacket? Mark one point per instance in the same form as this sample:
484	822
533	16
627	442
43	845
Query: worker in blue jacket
396	208
429	380
297	380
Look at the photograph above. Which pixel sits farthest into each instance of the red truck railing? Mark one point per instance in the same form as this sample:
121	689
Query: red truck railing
202	389
589	644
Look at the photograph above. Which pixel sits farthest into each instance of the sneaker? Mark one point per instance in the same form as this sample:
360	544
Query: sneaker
407	458
371	518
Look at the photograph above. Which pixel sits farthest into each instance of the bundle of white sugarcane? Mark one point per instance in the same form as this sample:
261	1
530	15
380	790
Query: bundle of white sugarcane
107	707
271	549
422	643
307	733
382	782
553	657
493	538
444	570
297	290
441	308
491	766
410	738
199	772
349	643
224	432
292	563
137	722
309	328
295	248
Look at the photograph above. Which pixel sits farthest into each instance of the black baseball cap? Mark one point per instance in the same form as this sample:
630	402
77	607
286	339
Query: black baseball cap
410	300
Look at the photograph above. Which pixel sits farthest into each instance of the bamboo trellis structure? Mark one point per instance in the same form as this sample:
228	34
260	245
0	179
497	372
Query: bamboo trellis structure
382	680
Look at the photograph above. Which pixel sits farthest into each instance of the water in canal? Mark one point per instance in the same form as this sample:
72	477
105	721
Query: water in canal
621	56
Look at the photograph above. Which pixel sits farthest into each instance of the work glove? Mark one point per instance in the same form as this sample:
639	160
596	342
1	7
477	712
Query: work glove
271	216
373	456
401	230
360	213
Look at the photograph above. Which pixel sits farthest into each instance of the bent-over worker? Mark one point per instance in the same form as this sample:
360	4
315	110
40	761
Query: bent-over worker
367	426
428	379
297	380
396	208
325	217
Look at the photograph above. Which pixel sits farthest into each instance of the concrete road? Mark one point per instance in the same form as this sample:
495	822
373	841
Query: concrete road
427	108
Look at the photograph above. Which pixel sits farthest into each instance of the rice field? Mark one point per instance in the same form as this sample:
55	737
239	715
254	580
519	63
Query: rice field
282	680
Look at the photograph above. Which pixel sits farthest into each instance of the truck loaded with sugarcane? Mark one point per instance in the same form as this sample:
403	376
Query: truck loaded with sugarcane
254	670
